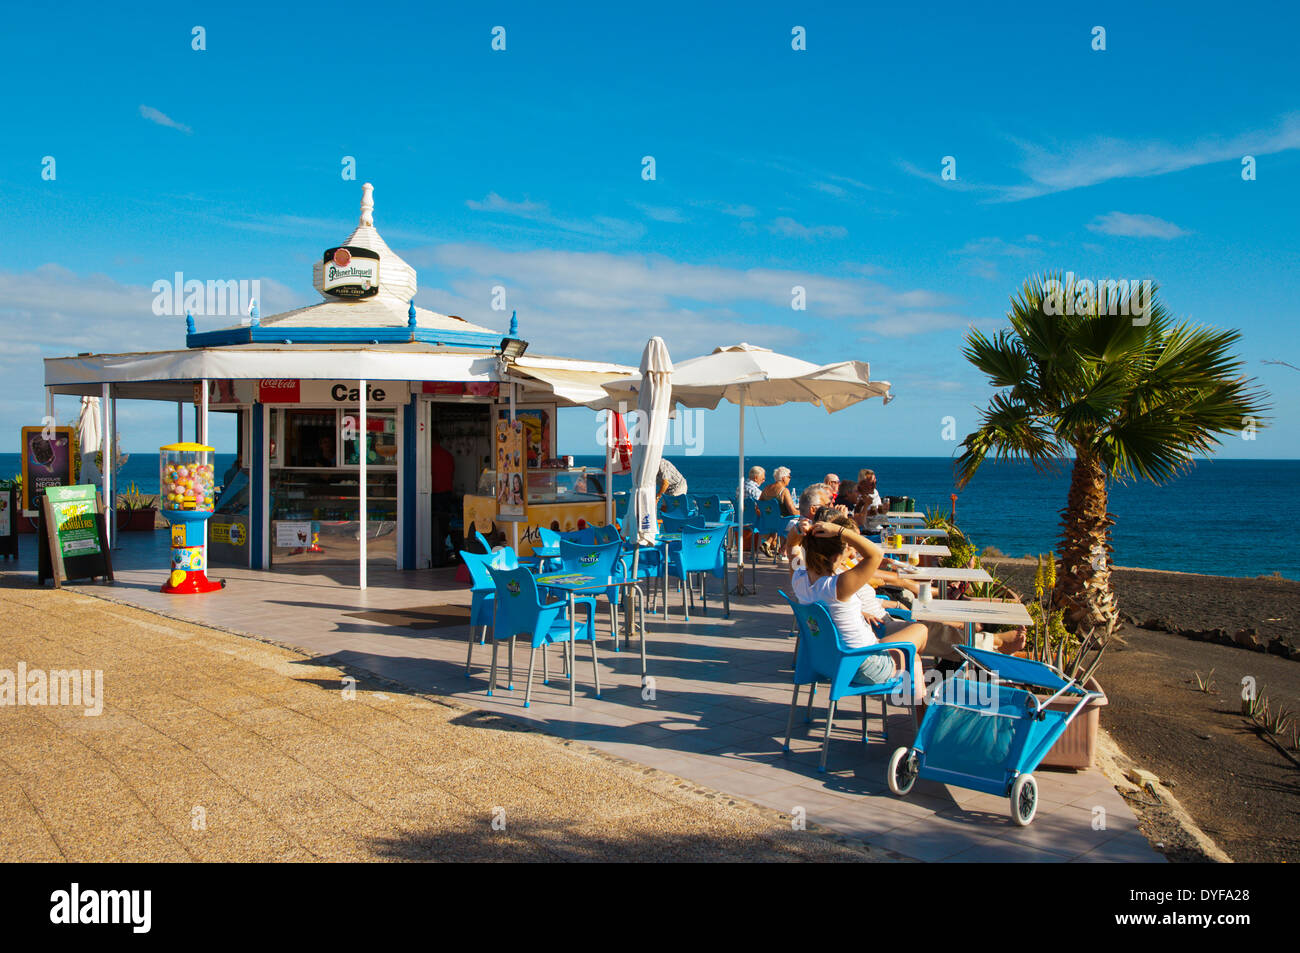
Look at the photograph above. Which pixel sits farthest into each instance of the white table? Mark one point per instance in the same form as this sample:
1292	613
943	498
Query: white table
918	549
916	532
945	574
966	612
909	515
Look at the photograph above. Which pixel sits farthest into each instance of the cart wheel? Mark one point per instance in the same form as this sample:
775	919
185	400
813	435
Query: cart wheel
1024	800
902	771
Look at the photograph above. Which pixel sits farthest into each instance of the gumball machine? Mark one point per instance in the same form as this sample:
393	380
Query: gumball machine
187	495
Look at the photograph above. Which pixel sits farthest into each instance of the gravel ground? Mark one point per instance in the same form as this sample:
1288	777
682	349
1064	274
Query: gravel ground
217	747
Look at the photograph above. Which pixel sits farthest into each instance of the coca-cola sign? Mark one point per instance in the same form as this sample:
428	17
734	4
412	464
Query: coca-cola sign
279	390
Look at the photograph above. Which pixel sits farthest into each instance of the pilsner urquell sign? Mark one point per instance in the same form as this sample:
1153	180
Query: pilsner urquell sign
350	272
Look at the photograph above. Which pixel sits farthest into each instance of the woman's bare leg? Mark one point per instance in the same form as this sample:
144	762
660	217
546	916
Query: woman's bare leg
915	633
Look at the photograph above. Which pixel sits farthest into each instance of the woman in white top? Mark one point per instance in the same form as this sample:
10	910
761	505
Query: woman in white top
847	594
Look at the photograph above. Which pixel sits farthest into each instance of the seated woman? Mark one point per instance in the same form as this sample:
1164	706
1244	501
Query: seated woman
847	594
778	489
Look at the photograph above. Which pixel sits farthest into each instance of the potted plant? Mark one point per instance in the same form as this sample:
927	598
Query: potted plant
135	510
1075	656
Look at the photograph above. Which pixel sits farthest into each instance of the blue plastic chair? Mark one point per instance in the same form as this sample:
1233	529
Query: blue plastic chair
768	521
599	561
679	506
604	535
821	656
676	524
521	612
714	509
701	551
481	602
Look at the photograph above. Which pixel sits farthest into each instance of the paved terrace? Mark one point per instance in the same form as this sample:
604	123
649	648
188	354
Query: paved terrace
718	715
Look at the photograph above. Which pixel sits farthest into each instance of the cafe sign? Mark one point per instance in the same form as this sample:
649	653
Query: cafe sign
350	271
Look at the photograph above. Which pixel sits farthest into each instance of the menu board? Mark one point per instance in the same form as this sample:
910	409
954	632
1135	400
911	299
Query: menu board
47	461
74	509
511	461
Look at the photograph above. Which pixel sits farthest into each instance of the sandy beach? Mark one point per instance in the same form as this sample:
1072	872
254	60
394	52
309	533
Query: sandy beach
1241	791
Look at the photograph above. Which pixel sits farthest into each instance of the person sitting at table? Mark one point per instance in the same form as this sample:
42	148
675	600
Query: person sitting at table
811	500
847	496
753	492
847	594
778	489
870	511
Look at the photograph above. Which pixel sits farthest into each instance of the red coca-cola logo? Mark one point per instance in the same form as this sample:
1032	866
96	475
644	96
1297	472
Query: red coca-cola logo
279	391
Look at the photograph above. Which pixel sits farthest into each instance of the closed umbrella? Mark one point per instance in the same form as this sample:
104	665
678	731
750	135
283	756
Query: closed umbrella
752	376
88	438
654	399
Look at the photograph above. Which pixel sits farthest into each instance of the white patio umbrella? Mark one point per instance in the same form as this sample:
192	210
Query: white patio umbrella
654	399
752	376
89	434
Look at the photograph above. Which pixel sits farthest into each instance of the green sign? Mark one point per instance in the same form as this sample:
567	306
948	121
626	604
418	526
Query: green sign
74	519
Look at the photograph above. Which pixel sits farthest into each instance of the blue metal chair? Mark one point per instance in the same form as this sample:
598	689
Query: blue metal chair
599	561
606	534
521	612
701	551
821	656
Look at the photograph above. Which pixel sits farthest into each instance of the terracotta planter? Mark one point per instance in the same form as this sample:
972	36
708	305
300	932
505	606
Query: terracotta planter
136	520
1077	747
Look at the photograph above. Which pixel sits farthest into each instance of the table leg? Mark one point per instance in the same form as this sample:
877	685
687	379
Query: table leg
573	658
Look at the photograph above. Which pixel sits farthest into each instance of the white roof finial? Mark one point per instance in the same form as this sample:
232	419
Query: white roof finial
368	204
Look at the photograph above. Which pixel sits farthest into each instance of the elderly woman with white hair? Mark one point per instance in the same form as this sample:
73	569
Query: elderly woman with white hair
778	489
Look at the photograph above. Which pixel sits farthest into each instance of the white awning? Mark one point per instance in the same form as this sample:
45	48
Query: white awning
568	385
153	375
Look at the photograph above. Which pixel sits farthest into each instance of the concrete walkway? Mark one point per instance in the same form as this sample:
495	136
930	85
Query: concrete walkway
716	715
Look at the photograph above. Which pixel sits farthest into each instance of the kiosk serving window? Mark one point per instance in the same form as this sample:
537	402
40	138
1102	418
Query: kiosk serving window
316	492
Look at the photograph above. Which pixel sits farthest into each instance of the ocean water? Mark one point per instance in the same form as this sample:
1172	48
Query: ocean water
1179	526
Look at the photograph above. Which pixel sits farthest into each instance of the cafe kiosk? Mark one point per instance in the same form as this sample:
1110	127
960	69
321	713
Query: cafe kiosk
337	406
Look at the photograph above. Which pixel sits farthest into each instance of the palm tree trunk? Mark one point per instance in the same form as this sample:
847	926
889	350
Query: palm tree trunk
1083	577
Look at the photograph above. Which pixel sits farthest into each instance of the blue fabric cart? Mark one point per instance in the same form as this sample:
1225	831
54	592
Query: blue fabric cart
981	732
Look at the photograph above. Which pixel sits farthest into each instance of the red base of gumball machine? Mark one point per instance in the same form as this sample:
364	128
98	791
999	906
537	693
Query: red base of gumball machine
194	581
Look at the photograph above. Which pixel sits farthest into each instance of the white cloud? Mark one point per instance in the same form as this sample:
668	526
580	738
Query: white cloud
1135	226
784	225
599	226
612	302
162	119
660	213
1101	160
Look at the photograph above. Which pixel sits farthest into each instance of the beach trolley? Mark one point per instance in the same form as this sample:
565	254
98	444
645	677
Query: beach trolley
983	733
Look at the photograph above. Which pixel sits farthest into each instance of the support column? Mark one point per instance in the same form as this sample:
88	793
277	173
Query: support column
106	470
361	455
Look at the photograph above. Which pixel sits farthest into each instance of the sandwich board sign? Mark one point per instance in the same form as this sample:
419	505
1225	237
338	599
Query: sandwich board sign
71	539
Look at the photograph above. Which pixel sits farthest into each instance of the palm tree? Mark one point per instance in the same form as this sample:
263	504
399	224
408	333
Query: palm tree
1122	389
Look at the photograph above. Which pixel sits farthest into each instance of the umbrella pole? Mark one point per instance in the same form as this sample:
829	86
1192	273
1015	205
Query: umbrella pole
740	511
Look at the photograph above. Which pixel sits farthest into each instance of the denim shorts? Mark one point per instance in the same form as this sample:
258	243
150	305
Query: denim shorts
875	670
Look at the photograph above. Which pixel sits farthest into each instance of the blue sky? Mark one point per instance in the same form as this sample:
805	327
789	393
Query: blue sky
774	167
